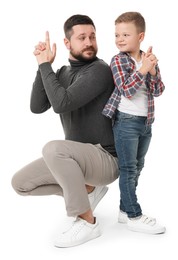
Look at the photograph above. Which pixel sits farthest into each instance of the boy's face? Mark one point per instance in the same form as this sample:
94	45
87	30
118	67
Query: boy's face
127	38
82	44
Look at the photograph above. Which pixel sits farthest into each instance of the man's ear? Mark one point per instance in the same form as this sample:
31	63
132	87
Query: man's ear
67	43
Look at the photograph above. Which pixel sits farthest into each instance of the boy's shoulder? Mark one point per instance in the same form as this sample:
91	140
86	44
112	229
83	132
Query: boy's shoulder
121	57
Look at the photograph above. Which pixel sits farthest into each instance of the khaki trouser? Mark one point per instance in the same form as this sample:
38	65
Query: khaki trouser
64	170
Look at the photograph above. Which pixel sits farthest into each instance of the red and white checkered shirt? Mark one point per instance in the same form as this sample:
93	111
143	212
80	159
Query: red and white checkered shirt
128	81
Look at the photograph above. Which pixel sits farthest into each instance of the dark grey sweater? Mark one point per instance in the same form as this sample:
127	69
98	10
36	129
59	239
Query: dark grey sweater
78	94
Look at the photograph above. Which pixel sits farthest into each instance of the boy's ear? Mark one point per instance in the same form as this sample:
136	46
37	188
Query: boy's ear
141	36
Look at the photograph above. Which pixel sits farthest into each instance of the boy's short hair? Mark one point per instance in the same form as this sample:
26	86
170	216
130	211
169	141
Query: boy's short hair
132	17
75	20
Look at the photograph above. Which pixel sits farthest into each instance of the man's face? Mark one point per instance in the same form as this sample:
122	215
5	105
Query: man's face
82	44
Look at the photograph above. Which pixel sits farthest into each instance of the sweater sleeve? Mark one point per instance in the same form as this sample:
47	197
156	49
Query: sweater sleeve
87	84
39	102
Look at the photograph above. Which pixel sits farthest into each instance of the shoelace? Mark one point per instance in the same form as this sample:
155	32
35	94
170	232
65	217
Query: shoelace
79	225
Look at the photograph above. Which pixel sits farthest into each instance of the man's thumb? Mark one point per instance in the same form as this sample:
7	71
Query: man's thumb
54	49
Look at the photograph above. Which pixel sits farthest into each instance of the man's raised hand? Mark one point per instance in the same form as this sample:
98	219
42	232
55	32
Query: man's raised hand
43	51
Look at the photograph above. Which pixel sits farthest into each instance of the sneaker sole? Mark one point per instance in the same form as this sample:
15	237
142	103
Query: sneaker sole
64	245
99	197
153	232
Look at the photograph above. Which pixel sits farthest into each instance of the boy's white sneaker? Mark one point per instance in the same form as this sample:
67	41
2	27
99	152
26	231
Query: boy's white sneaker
96	195
146	225
122	217
80	232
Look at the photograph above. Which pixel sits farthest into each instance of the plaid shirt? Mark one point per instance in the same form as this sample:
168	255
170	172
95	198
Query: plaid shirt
128	81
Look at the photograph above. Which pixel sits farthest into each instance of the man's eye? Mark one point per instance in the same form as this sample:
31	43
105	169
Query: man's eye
82	38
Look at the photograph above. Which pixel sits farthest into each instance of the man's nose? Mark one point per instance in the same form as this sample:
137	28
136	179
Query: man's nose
88	41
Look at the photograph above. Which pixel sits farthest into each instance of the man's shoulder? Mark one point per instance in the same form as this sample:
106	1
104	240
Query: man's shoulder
63	69
99	64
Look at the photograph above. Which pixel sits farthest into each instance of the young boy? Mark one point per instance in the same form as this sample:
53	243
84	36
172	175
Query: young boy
137	81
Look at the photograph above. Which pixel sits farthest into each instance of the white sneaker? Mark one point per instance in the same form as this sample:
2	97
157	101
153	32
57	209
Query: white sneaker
80	232
96	195
146	225
122	217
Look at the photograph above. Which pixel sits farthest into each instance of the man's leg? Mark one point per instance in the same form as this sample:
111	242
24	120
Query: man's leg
75	164
35	179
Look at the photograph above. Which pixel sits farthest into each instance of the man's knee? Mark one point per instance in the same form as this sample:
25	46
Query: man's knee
16	185
58	149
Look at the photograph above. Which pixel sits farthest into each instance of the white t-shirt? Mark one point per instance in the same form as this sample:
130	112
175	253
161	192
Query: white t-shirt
138	104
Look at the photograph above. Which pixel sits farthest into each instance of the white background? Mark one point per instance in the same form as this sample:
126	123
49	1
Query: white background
28	225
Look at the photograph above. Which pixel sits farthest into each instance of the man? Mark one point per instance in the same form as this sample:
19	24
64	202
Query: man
79	167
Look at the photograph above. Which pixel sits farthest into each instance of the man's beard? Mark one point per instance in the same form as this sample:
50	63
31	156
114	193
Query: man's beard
81	57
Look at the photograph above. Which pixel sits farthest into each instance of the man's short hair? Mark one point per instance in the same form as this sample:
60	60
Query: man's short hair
76	20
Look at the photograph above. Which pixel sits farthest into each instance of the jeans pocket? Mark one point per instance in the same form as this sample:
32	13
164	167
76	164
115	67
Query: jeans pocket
125	116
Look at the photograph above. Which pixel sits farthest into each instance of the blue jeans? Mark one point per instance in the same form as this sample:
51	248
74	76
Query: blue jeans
132	138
